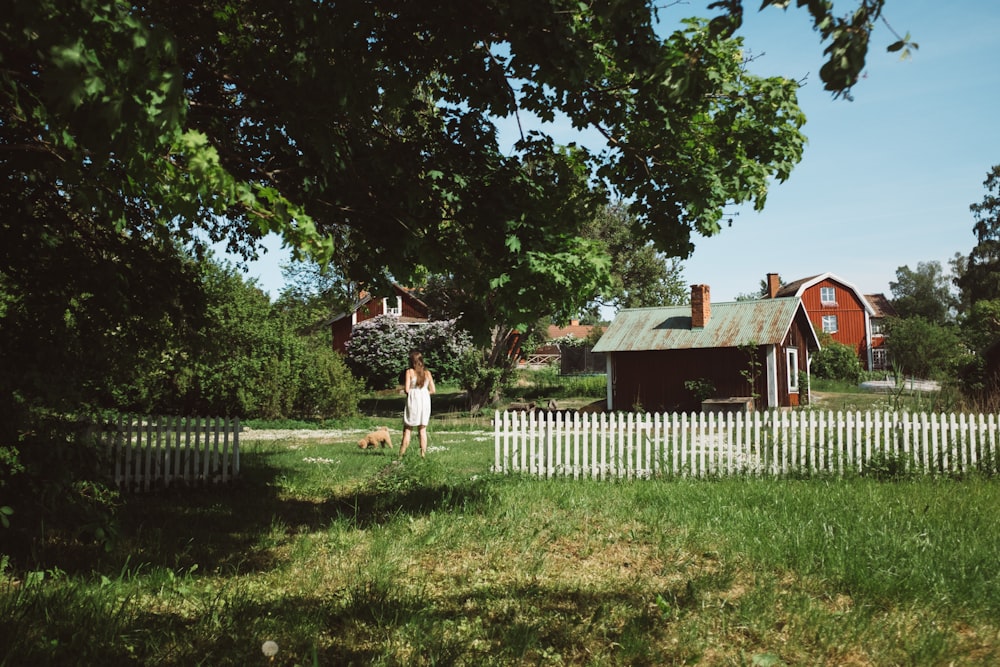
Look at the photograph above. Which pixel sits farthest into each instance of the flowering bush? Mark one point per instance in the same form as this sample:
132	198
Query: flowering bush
379	349
443	345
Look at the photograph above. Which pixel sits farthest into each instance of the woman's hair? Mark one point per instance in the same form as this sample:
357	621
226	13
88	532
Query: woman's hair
417	364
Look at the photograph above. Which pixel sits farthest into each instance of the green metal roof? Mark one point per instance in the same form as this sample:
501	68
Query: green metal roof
763	322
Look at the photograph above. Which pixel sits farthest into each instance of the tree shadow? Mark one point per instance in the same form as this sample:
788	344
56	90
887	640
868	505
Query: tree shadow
235	528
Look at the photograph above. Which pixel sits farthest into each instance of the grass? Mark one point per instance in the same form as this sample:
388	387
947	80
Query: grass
348	557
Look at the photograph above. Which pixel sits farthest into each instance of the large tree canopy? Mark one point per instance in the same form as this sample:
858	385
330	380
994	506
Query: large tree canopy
365	134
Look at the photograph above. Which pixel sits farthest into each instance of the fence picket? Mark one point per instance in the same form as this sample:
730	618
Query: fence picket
154	452
626	445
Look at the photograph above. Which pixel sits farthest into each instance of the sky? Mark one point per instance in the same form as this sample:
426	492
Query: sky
886	180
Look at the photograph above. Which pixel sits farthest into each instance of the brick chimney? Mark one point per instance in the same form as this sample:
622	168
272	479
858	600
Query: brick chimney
701	306
773	284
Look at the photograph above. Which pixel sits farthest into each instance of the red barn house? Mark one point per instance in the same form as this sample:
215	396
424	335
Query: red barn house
659	358
403	304
838	308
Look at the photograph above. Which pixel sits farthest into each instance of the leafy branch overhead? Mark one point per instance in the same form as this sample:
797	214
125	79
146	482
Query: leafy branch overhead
367	134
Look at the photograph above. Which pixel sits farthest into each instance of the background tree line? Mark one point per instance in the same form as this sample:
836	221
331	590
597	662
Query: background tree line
948	321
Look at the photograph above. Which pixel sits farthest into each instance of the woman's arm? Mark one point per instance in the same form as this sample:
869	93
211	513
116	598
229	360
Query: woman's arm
430	383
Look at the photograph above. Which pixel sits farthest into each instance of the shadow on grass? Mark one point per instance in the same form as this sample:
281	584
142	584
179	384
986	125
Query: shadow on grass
235	528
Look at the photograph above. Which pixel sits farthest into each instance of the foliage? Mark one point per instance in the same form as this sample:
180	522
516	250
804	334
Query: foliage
753	370
979	279
835	361
925	292
640	275
702	388
379	350
923	349
442	344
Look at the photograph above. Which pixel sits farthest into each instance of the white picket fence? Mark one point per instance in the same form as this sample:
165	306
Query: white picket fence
774	443
159	452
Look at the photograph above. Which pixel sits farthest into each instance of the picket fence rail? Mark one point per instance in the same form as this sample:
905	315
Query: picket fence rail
773	443
162	451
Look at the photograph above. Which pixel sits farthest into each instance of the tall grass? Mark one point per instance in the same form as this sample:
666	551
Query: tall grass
343	556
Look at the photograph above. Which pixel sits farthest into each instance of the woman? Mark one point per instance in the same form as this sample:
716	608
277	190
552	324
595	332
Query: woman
419	385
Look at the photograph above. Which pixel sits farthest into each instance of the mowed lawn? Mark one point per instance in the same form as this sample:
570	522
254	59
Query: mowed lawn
350	557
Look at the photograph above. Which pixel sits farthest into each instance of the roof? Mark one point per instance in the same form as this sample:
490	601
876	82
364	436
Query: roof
760	322
367	297
574	329
797	287
881	305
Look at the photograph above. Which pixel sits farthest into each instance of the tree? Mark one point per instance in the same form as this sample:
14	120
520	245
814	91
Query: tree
980	279
640	275
925	292
923	349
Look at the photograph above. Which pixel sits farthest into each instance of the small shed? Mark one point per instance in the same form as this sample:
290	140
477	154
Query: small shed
671	359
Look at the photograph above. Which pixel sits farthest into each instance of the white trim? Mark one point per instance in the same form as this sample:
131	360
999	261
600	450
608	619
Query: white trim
772	377
609	368
792	369
831	276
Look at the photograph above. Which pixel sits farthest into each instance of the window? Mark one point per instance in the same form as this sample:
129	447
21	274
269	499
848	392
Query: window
393	306
877	327
880	360
792	359
830	324
828	296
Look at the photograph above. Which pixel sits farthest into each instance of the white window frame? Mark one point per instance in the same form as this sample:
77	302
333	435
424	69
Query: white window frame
792	367
830	324
828	296
397	311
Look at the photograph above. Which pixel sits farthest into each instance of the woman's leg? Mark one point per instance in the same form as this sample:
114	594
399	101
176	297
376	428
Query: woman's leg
422	433
406	440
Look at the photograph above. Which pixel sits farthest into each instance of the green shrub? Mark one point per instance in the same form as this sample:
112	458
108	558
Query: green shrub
836	361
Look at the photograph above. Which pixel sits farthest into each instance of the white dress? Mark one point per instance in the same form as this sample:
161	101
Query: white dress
418	402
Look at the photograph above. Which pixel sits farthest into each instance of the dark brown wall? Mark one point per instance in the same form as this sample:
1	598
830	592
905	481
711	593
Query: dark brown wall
655	379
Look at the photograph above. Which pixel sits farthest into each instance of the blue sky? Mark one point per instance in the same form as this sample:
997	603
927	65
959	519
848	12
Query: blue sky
885	181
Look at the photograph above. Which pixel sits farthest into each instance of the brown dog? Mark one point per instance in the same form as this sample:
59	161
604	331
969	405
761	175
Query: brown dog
378	437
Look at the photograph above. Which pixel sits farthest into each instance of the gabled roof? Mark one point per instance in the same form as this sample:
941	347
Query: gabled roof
798	287
367	297
881	305
760	322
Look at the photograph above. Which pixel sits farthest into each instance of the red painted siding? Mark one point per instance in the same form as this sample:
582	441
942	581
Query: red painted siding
849	311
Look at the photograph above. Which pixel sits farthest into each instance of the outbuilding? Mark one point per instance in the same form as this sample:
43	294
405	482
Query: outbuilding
672	359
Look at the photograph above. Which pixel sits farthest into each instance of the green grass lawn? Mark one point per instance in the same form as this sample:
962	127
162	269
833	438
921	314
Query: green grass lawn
349	557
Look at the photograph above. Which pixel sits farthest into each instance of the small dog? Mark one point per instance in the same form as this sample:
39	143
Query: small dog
378	437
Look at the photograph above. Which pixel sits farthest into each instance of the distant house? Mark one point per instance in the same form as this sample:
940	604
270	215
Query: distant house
402	304
572	359
838	308
661	358
883	310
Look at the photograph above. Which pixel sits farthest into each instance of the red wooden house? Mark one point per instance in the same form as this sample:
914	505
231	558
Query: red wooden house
657	356
838	308
403	304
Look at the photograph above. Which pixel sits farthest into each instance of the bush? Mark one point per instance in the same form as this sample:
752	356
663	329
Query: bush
379	350
836	361
325	387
